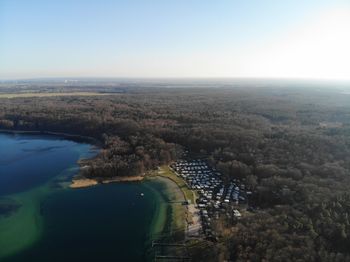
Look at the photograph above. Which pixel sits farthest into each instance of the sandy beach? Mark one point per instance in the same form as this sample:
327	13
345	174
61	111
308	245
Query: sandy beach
83	182
87	182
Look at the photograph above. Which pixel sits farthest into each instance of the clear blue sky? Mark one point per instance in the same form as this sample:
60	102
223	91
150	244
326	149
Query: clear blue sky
174	38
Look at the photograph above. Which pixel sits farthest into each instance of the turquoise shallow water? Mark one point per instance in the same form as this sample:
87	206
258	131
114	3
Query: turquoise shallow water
43	221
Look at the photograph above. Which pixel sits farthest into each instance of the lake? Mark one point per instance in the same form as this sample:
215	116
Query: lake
42	219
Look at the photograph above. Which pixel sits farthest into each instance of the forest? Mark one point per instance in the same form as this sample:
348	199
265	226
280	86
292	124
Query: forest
289	143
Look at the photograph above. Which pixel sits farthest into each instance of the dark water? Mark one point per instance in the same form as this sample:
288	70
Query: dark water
28	161
103	223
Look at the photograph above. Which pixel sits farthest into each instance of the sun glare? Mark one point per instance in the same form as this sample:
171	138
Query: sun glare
318	49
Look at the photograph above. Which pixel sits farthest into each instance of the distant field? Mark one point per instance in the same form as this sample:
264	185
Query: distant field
16	95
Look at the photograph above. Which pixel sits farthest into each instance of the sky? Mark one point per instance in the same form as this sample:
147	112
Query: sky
175	38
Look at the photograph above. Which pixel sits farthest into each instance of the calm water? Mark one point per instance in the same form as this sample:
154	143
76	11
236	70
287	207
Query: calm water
43	220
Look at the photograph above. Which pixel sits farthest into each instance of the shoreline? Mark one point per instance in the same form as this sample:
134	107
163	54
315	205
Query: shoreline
193	224
73	137
169	220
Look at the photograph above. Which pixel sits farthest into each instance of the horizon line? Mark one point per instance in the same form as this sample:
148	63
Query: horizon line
72	78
